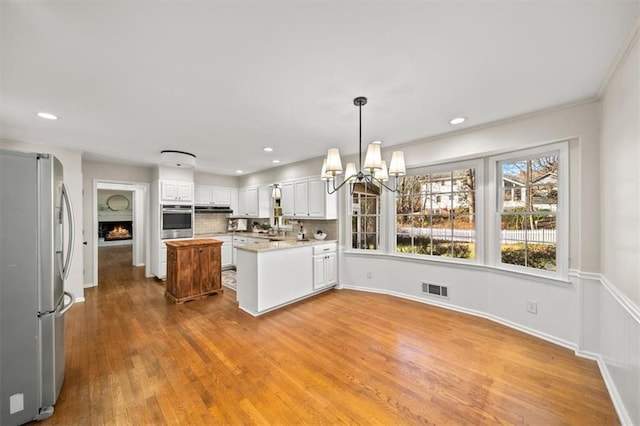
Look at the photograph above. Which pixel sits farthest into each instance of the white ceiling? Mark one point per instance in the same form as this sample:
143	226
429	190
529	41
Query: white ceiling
224	79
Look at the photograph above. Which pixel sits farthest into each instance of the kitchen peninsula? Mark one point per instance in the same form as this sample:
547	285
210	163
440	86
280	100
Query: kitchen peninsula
274	274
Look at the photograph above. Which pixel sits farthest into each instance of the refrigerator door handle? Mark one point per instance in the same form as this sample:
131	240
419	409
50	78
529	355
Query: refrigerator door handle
67	201
68	306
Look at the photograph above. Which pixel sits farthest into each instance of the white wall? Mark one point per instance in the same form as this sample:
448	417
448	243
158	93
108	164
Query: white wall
215	180
71	161
620	230
106	172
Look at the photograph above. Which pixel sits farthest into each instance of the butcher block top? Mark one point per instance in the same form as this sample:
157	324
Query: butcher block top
192	243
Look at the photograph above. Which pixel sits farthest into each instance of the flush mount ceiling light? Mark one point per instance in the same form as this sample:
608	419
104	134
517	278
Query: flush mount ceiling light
173	158
267	149
47	116
457	120
374	170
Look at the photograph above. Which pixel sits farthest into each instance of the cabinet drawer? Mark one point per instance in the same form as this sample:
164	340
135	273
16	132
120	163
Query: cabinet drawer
324	248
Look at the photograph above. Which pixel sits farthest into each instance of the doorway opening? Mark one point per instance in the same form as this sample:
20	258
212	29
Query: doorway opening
120	219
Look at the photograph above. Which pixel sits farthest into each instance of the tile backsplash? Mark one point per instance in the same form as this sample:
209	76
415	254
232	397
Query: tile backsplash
209	223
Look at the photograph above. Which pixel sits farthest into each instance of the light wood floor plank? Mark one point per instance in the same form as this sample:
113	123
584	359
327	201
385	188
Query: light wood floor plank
343	357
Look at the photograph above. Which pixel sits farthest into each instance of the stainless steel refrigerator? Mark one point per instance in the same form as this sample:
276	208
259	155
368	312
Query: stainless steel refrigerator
36	247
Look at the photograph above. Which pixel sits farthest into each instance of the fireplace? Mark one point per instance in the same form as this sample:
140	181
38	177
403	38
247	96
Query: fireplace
115	231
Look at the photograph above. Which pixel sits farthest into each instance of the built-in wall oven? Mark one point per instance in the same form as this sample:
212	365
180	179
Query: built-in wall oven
177	221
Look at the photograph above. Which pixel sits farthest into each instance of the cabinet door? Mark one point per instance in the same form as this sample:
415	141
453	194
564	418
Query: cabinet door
301	195
203	194
234	200
242	201
317	198
186	272
208	267
227	253
169	191
251	201
331	268
221	196
287	200
319	272
185	191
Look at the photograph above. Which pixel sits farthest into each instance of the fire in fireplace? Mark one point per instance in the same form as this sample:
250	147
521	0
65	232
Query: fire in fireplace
112	231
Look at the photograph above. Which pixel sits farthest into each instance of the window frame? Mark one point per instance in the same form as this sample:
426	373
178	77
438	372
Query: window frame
348	197
478	165
561	149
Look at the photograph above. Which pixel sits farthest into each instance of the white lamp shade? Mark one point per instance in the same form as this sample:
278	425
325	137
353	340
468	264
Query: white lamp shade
350	173
334	164
276	193
396	166
323	174
373	159
382	174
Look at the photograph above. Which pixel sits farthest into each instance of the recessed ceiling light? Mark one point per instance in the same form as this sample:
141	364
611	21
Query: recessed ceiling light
275	161
47	116
377	142
239	171
267	149
457	120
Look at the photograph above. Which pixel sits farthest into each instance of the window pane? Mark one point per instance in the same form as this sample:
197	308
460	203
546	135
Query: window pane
463	181
541	256
441	182
404	205
441	198
544	197
514	173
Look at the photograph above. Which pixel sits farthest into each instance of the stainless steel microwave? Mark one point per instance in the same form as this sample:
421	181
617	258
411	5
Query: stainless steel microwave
177	221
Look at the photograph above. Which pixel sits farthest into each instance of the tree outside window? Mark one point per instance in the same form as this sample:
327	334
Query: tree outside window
436	214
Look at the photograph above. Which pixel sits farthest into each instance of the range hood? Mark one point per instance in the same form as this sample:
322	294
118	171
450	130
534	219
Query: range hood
213	209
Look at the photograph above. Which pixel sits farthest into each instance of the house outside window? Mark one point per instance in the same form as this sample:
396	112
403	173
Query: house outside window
436	213
528	197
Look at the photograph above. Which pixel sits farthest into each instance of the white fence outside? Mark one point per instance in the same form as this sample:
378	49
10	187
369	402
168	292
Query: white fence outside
542	236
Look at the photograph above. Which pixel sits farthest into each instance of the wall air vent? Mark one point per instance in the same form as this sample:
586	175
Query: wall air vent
435	290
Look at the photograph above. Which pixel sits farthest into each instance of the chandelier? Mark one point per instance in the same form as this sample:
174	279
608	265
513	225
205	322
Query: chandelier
373	171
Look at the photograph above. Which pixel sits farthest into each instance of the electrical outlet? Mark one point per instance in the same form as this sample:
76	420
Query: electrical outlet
369	274
532	306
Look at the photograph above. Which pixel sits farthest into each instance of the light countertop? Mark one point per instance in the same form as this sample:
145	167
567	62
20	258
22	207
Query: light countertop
280	245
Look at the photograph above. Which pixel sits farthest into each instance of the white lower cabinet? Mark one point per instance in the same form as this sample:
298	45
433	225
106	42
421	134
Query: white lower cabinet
226	250
325	270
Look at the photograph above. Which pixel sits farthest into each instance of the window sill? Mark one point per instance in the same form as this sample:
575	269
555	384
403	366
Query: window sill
559	281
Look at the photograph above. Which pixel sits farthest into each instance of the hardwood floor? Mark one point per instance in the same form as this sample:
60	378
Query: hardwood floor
341	357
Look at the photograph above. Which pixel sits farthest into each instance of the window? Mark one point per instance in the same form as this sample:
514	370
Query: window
365	216
528	204
436	213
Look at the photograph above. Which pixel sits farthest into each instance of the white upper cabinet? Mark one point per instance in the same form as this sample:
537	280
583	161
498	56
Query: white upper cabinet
308	198
179	192
287	199
254	202
301	197
203	195
221	196
207	195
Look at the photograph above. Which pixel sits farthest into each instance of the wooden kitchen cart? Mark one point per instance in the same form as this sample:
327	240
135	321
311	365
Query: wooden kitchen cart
194	269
